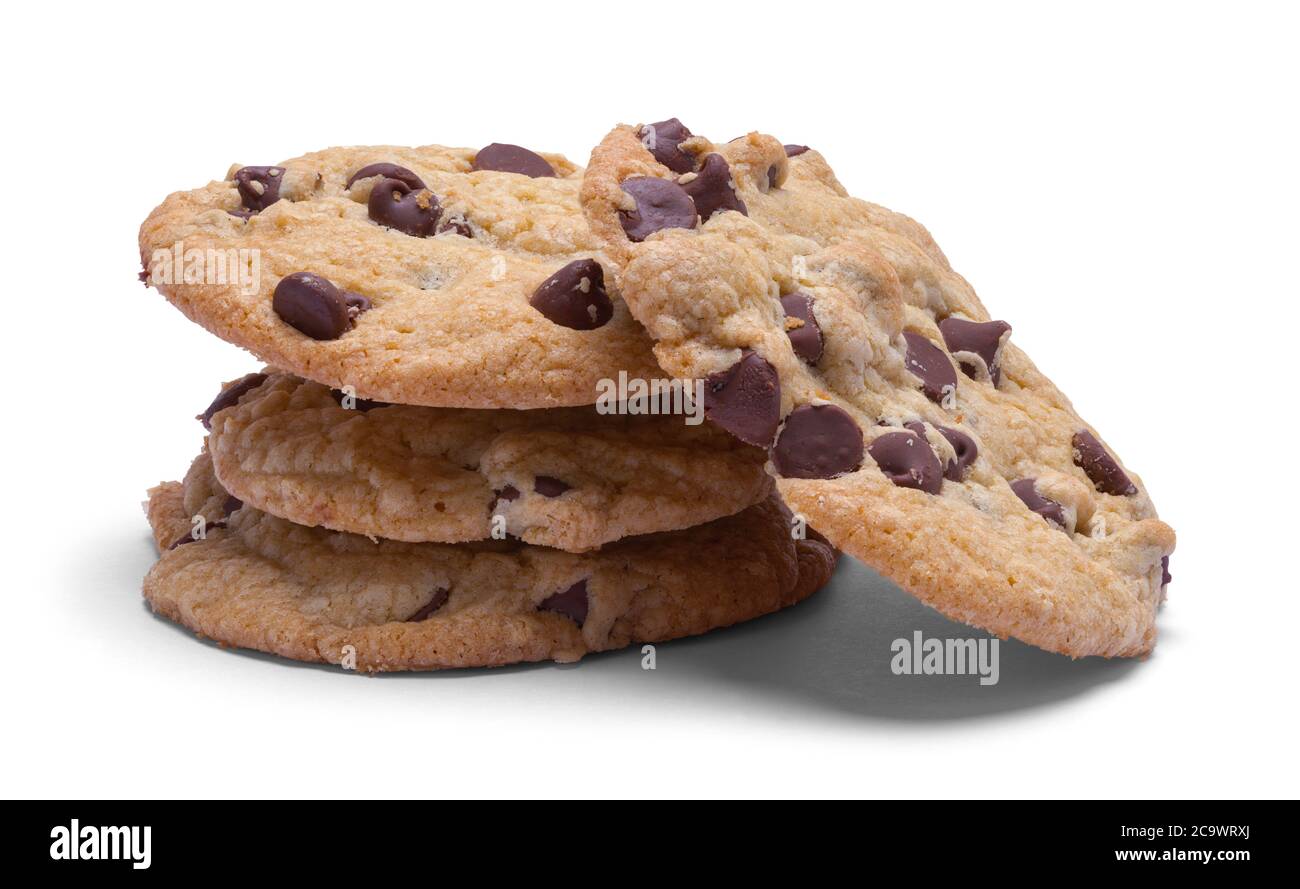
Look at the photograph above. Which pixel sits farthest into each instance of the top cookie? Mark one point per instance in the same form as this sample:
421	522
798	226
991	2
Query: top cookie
429	276
900	419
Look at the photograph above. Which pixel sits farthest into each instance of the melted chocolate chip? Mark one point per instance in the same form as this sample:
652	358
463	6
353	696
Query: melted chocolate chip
928	362
664	140
506	158
440	597
571	603
907	460
312	305
358	404
805	338
230	396
745	399
259	187
966	453
660	204
1048	509
1100	466
395	204
1165	576
984	338
549	486
818	441
388	171
231	504
795	150
712	189
575	296
962	444
356	304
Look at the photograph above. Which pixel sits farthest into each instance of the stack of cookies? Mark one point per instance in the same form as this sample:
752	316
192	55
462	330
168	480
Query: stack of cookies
421	477
444	462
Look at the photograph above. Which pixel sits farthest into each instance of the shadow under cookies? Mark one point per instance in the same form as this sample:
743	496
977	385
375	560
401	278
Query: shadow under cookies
834	651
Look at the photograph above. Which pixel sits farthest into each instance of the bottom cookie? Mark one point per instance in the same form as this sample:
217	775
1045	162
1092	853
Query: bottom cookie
256	581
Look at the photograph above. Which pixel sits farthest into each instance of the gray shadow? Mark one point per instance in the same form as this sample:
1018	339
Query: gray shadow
834	651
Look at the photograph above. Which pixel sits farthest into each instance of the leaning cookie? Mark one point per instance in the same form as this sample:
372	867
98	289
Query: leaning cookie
899	418
248	579
433	276
571	478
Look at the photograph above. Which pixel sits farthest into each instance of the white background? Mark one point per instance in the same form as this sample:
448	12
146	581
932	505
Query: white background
1118	181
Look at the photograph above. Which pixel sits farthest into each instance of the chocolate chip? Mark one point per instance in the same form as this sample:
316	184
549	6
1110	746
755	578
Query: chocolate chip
1165	576
457	226
984	338
927	361
231	504
356	303
388	171
908	461
230	396
772	172
571	602
144	273
259	187
548	486
795	150
664	140
660	204
506	158
508	494
745	399
358	404
395	204
1100	466
805	338
440	597
712	189
1048	509
575	296
966	453
818	441
312	305
965	450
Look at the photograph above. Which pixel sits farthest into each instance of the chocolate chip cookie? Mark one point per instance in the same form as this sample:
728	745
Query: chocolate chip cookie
249	579
571	478
899	416
430	276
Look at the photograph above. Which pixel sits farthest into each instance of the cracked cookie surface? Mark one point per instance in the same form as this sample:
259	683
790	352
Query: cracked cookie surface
570	478
901	419
423	266
257	581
